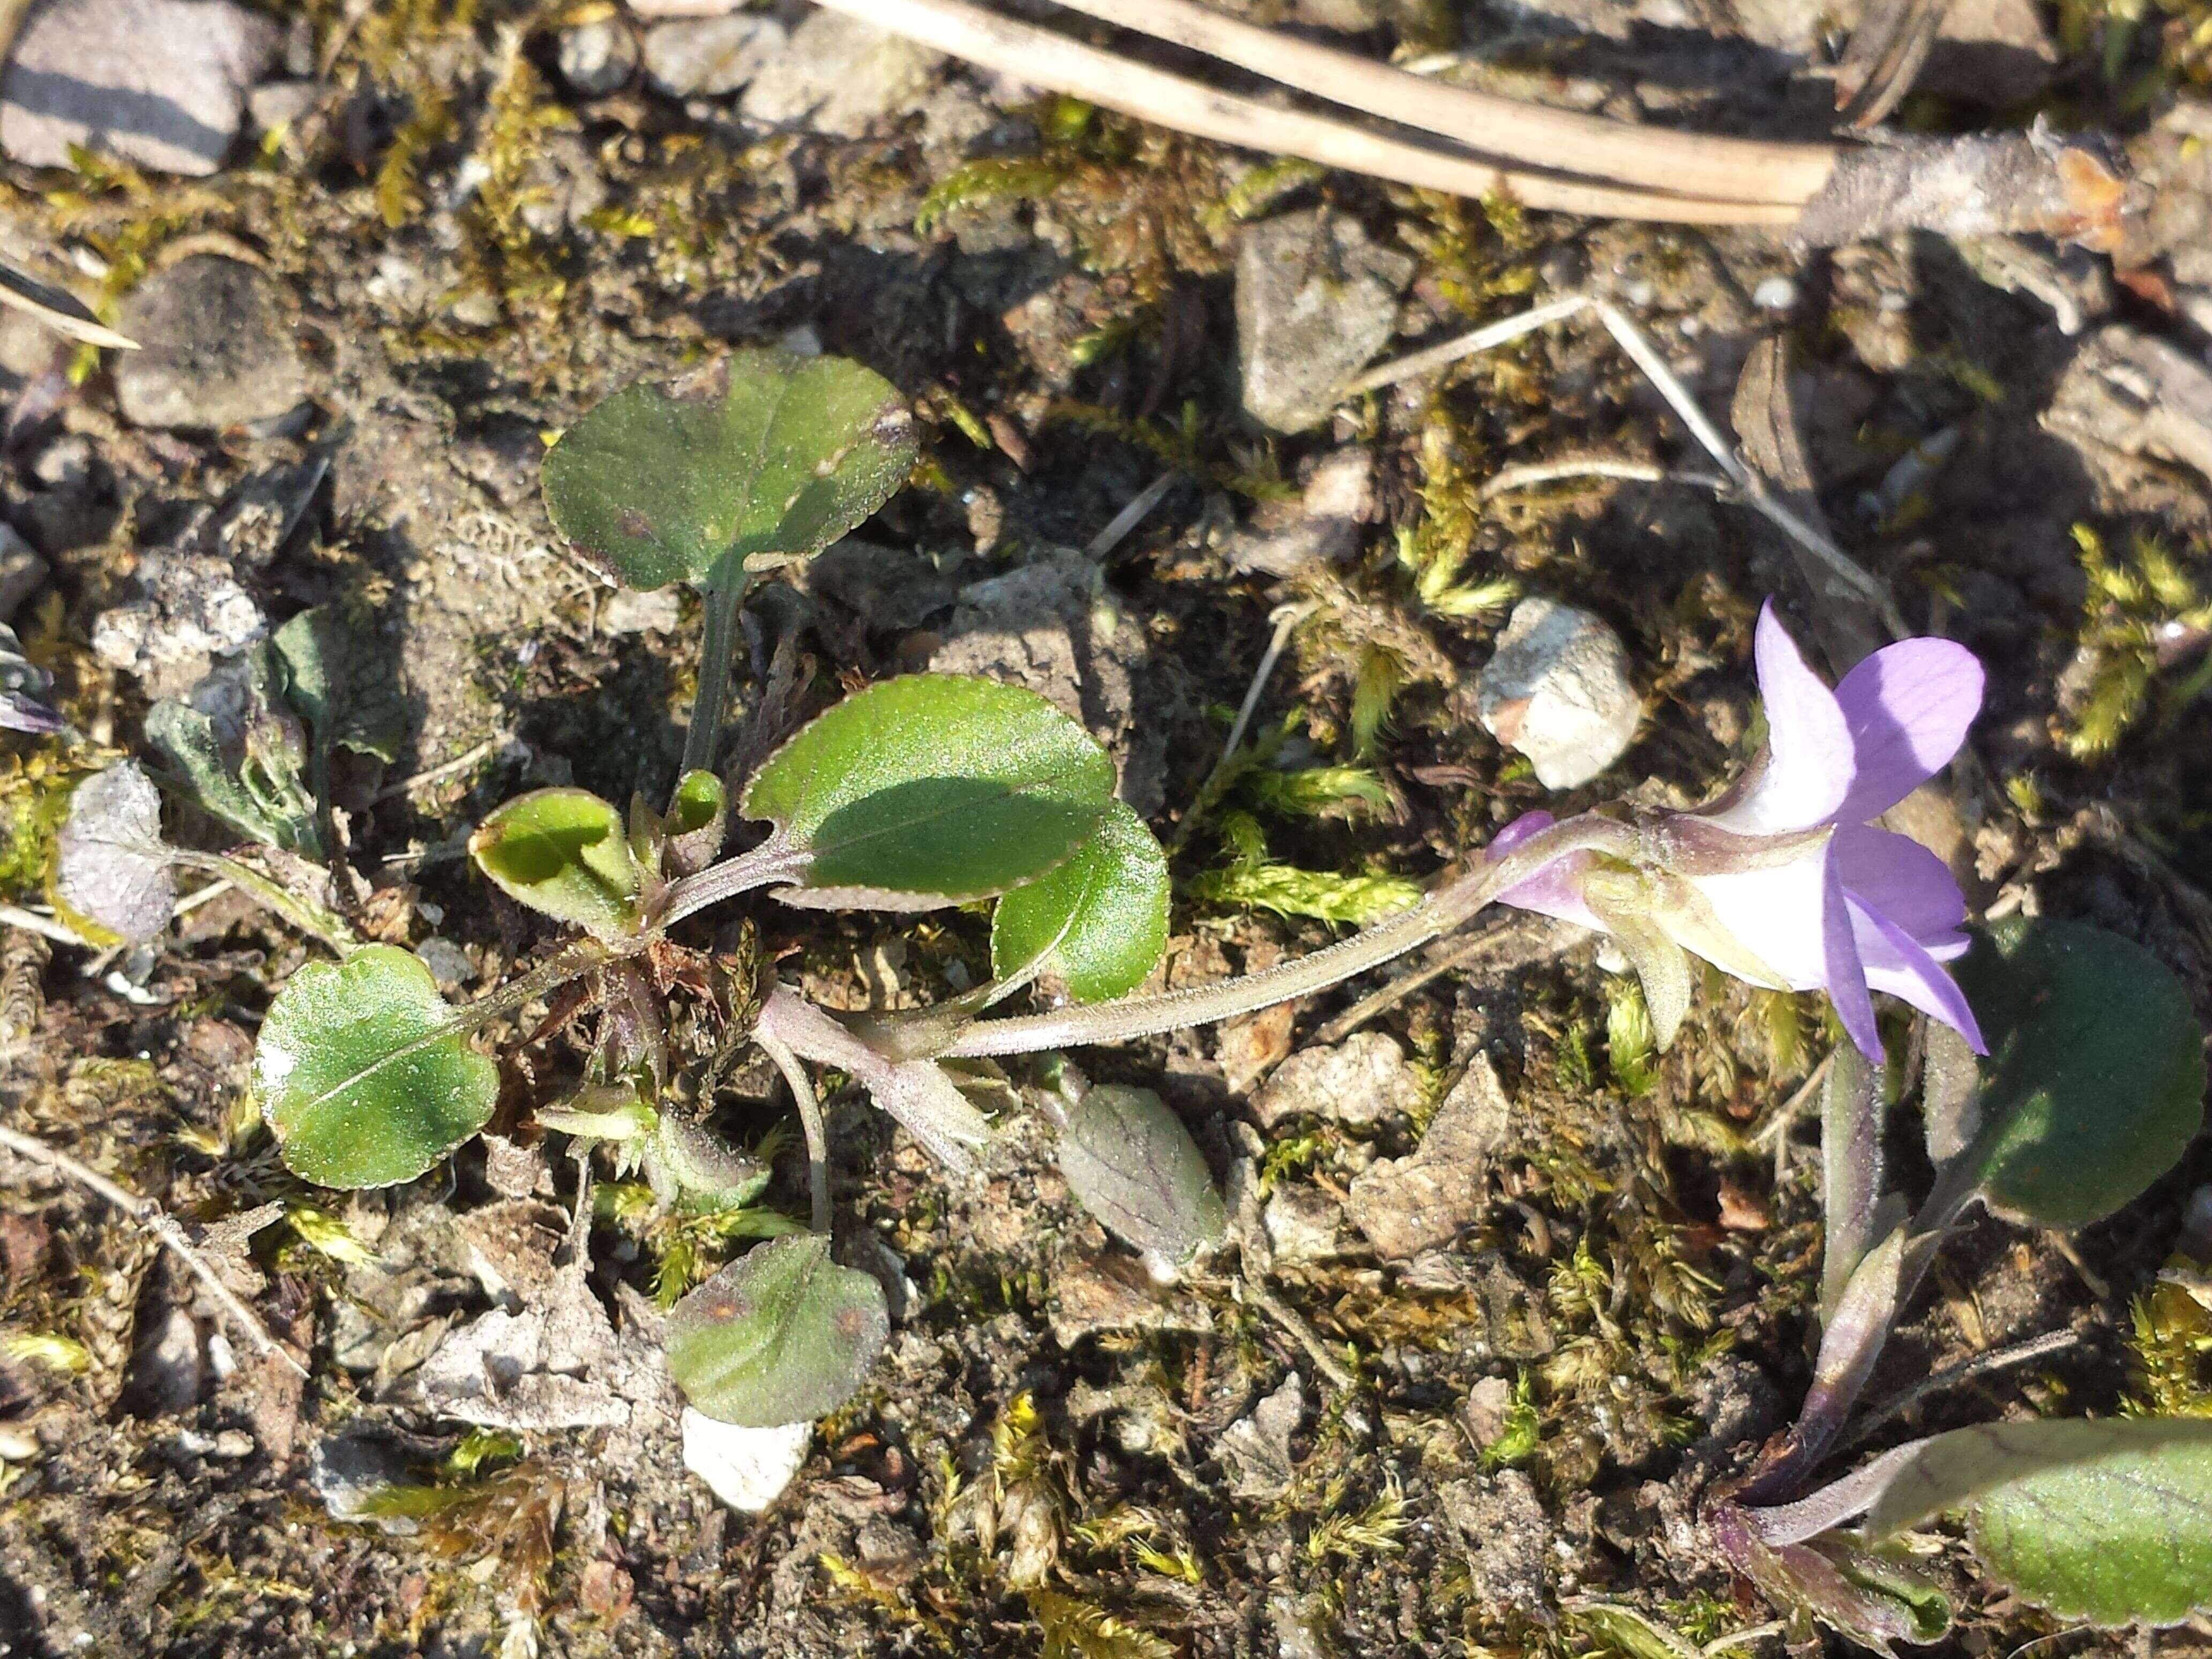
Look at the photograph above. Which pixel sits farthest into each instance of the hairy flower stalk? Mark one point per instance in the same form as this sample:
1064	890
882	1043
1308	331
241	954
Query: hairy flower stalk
1781	881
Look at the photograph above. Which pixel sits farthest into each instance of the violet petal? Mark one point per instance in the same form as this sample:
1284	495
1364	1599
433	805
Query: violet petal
1806	770
1896	964
1553	891
1908	707
1846	974
1895	876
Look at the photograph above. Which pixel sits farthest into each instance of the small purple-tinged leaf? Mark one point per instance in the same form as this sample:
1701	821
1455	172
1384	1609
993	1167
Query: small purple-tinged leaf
1132	1164
113	875
1873	1601
780	1335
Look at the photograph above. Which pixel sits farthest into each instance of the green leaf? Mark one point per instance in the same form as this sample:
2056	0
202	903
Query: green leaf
2109	1521
780	1335
363	1075
241	754
566	854
687	1163
1133	1165
2094	1082
332	677
764	455
1101	919
929	790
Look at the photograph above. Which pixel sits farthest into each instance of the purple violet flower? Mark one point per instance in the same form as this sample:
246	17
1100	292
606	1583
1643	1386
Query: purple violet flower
1784	881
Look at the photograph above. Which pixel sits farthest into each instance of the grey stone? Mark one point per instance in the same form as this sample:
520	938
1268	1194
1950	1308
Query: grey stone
1315	301
1363	1079
1485	1411
709	56
838	75
598	58
1558	691
1407	1205
1256	1451
347	1471
160	83
1301	1223
1322	527
448	963
22	572
629	612
193	611
167	1367
1501	1525
276	104
747	1469
216	352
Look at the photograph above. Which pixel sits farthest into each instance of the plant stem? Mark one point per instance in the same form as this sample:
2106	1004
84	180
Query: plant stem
1442	911
573	963
724	591
775	859
810	1121
307	917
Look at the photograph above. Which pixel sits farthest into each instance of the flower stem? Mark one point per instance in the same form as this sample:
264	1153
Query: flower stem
1443	910
724	591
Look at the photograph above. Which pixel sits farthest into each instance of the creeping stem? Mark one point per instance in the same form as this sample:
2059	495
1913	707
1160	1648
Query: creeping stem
724	591
1439	913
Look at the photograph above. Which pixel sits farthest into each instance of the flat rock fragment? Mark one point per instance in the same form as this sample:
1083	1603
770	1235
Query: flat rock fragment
1363	1079
161	83
1315	301
1407	1205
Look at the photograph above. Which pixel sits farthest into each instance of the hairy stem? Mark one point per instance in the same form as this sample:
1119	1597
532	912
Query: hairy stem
1442	911
308	917
810	1121
724	591
775	859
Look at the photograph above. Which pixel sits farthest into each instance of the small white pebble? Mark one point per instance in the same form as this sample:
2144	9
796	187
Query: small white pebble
747	1468
1639	294
1776	294
17	1443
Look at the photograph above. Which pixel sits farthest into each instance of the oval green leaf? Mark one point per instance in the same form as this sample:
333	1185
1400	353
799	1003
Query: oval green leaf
363	1076
2094	1082
780	1335
1101	919
764	455
564	853
1133	1165
931	789
2109	1521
